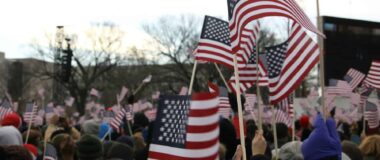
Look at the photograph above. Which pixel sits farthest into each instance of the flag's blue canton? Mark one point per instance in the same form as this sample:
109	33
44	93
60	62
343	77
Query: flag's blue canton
276	57
347	78
231	6
5	103
29	107
109	114
216	30
171	120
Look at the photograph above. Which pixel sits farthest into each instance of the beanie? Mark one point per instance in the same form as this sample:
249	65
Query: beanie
32	149
89	147
304	121
12	119
120	151
90	127
126	140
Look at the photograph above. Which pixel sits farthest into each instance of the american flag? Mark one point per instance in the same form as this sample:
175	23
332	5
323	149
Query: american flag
250	101
50	152
116	121
5	108
364	94
371	114
353	77
30	112
187	129
224	103
248	76
249	37
214	44
287	105
246	11
338	87
373	76
289	63
282	117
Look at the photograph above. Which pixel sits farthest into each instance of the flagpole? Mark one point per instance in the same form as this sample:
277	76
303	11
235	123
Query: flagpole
138	88
192	78
258	93
29	125
274	132
364	126
240	110
293	118
321	64
128	125
222	77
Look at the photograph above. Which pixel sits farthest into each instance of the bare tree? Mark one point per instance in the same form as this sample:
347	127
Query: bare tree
102	51
174	38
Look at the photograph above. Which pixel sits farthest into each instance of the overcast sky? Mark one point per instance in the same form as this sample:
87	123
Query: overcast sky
25	20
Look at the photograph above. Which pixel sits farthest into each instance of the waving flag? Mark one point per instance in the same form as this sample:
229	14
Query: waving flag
5	108
286	105
224	103
30	113
371	114
373	76
338	87
282	117
187	129
246	11
353	77
289	63
116	121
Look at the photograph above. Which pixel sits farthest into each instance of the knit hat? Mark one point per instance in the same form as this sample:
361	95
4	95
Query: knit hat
89	147
304	121
120	151
12	119
32	149
90	127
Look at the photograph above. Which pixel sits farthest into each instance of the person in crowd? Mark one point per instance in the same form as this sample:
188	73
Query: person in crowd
119	151
227	136
370	147
14	152
65	146
351	150
323	142
291	151
282	135
32	150
9	133
305	127
34	137
235	118
91	127
89	147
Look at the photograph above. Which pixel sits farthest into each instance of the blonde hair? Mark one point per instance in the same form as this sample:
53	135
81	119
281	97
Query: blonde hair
371	146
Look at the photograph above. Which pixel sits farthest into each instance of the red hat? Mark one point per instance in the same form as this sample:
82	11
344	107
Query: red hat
304	121
32	149
12	119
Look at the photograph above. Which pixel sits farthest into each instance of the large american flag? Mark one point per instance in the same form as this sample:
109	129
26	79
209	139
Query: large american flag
186	128
354	77
30	112
246	11
289	63
338	87
371	114
5	108
214	44
373	76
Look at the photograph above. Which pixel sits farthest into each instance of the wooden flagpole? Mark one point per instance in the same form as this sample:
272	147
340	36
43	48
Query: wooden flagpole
240	110
274	132
192	78
222	77
29	125
321	64
364	126
138	88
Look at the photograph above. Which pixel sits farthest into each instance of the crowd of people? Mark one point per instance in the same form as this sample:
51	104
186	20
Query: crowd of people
60	138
